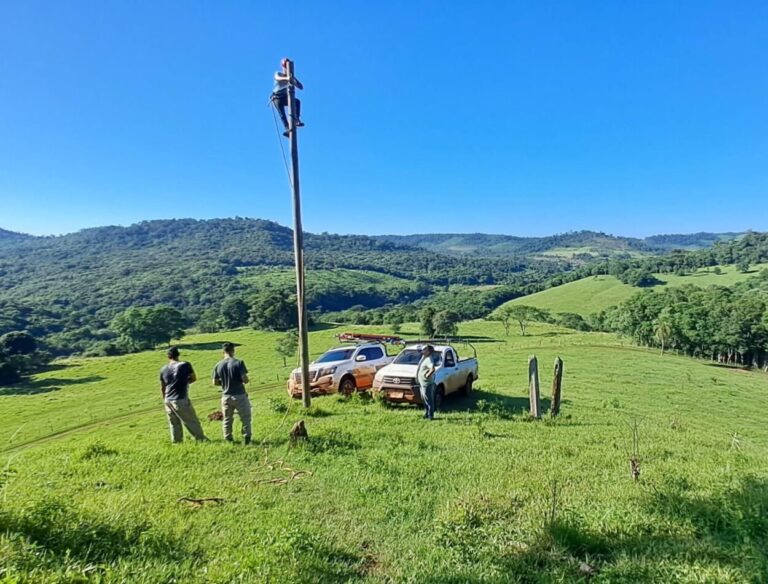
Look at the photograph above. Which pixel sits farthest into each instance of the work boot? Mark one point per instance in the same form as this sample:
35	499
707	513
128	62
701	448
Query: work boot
247	440
299	123
287	133
230	439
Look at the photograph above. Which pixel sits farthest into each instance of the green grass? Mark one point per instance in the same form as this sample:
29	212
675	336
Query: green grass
90	482
570	252
596	293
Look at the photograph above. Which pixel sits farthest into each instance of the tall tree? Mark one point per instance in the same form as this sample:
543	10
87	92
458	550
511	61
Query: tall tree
145	328
525	314
427	322
287	344
446	323
663	328
234	312
19	356
274	310
395	320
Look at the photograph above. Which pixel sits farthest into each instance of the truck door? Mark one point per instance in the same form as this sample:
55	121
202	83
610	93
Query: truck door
367	362
449	365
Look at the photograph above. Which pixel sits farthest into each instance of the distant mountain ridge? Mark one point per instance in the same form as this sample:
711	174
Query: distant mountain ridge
6	235
571	243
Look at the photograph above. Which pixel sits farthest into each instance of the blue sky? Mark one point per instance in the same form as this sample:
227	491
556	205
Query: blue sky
501	117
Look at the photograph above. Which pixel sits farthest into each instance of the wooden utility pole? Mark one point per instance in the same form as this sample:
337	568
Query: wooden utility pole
557	381
298	241
533	386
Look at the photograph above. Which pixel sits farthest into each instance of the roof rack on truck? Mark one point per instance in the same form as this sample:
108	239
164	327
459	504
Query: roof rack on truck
443	341
370	338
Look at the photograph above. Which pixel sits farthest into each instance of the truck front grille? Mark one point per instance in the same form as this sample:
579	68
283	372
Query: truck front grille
393	380
312	376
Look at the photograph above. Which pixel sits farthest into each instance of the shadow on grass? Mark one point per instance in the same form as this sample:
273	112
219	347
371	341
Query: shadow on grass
333	442
209	346
556	333
727	530
733	367
47	385
722	533
67	533
478	339
496	404
322	326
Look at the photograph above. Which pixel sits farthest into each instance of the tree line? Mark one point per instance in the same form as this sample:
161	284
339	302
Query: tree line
728	325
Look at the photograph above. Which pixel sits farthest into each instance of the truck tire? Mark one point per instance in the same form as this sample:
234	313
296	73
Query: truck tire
347	385
439	398
467	389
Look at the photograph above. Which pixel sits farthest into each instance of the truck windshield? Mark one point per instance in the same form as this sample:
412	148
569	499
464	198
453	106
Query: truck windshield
413	356
336	355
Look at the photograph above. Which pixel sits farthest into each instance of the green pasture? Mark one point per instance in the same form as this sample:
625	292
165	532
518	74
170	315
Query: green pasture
90	485
570	252
596	293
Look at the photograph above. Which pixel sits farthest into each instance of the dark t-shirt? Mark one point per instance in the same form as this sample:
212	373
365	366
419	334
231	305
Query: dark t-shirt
176	379
229	373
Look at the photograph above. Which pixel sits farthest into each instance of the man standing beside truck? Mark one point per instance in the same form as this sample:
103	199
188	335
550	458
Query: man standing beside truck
426	377
231	375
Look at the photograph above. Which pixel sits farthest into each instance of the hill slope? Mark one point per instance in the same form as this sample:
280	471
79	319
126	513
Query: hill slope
69	287
576	243
378	495
595	293
6	235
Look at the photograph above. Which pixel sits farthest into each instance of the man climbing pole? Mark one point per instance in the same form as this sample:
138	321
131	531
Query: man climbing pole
280	95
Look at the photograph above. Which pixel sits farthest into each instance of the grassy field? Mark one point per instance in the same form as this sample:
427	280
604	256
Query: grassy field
570	252
90	486
593	294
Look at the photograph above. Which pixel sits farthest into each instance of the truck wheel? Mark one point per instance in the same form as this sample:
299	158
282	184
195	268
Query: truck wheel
467	389
347	386
439	398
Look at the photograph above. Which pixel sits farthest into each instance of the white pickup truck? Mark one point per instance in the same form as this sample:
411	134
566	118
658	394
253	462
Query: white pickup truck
397	382
343	369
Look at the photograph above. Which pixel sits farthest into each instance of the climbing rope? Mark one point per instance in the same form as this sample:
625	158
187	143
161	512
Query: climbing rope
280	142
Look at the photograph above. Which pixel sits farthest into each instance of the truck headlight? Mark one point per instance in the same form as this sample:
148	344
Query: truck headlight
327	371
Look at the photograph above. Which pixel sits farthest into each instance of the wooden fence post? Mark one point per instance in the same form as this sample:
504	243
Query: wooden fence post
557	382
533	386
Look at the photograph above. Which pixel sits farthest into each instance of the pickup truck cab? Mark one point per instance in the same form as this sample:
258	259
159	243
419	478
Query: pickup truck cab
344	369
397	382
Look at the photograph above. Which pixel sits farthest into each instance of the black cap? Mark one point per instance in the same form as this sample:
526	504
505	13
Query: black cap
228	348
173	353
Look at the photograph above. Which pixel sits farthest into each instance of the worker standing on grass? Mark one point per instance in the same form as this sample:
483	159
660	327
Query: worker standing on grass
426	377
280	95
232	375
175	378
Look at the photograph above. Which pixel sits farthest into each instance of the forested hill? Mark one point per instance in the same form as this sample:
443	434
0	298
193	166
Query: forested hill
579	244
68	288
6	235
689	241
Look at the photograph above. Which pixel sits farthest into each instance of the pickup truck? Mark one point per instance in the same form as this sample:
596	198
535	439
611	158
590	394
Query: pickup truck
344	369
397	382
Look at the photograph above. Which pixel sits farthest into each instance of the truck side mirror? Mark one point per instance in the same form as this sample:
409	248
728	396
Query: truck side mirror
360	358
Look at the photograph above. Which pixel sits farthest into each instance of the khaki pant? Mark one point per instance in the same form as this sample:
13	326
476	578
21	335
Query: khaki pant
241	404
180	411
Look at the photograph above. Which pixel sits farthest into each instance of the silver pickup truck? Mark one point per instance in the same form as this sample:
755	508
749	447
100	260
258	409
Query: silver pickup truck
397	381
343	369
